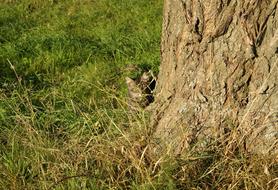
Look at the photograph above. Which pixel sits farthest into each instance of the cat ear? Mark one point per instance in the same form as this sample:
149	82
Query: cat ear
145	78
134	91
129	82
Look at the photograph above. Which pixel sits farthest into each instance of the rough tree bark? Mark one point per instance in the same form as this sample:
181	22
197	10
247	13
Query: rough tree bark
219	74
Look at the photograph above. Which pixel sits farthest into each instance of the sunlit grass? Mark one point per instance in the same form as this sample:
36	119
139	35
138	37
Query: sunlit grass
64	121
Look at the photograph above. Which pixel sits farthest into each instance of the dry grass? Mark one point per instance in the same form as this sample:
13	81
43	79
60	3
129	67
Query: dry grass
114	151
64	122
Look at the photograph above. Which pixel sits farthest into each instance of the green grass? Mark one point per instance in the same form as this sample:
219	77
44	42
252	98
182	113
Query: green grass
64	123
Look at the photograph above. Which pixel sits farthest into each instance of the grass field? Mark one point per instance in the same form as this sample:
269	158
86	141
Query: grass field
64	122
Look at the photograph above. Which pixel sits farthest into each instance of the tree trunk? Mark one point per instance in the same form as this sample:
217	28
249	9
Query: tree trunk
218	75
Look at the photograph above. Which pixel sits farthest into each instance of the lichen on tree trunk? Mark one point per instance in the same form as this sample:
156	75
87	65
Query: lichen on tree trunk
218	75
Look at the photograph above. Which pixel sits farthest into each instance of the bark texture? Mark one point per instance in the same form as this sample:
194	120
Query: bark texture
219	74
